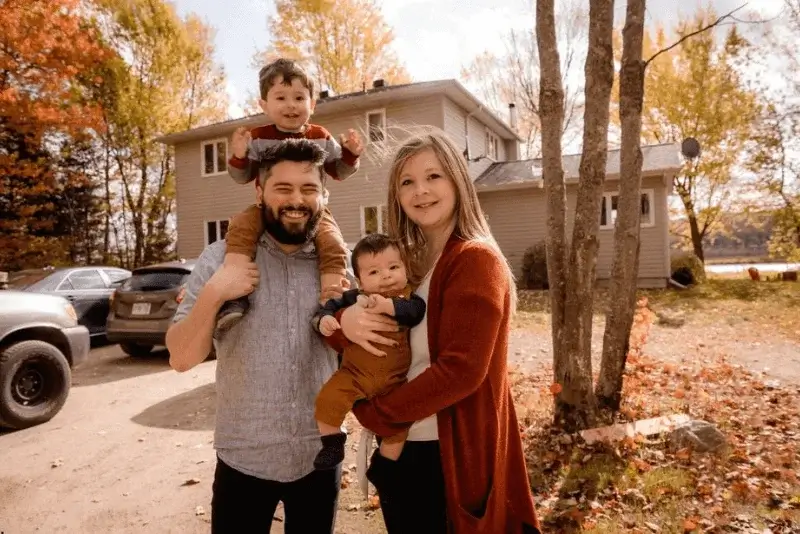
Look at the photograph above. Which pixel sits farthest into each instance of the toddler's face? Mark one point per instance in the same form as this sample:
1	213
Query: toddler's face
288	105
383	272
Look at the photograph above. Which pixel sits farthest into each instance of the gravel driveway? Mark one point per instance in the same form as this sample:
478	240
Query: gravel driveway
133	432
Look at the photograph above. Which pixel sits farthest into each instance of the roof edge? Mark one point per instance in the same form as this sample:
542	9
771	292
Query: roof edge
258	118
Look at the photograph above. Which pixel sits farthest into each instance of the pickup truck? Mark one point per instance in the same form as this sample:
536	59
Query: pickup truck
40	342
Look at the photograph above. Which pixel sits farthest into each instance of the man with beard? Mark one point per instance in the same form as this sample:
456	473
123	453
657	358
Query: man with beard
270	365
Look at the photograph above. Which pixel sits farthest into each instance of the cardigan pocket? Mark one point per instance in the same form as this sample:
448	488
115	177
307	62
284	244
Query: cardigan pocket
480	519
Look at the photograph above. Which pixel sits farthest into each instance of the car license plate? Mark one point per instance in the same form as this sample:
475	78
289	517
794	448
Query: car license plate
141	308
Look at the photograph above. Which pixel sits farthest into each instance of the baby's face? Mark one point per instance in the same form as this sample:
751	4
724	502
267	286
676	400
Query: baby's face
383	272
289	106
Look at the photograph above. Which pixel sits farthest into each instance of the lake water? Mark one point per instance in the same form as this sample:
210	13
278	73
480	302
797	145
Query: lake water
762	267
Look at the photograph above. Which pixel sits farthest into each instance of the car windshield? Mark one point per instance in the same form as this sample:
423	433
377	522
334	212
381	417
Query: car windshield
154	280
38	280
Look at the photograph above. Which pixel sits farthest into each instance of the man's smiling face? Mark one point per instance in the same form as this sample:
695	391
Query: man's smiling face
292	198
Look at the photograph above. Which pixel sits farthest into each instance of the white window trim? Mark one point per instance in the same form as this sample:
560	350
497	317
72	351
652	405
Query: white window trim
212	142
382	113
644	224
492	135
381	223
205	229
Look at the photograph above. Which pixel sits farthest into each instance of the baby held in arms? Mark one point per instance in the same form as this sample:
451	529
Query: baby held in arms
383	285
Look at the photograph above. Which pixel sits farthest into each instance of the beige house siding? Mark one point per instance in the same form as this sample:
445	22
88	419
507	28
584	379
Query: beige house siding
455	126
518	220
201	199
368	186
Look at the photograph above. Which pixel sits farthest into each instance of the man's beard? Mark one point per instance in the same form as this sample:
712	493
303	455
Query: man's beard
294	233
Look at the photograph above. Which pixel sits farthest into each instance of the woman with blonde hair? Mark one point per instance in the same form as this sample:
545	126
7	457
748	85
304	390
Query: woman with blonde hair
462	469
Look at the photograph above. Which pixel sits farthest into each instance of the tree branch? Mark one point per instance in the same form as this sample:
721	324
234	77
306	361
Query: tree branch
692	34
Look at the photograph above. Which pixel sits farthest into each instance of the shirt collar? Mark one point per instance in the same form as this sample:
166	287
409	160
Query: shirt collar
307	250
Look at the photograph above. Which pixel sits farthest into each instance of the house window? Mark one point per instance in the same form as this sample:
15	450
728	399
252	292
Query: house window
216	230
492	144
610	206
215	157
374	220
376	126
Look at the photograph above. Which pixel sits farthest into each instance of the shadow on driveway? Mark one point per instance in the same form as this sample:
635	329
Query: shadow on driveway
109	364
193	410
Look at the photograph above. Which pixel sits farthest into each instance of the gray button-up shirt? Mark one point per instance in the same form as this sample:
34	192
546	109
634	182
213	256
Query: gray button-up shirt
270	366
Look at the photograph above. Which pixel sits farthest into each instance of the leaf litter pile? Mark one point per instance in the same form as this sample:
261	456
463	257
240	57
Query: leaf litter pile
642	483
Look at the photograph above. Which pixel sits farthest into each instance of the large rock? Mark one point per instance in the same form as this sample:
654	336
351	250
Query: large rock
700	436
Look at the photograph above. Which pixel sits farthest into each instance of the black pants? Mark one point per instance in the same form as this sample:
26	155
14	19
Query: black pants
411	489
243	504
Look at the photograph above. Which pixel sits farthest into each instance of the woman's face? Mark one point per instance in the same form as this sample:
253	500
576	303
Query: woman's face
427	195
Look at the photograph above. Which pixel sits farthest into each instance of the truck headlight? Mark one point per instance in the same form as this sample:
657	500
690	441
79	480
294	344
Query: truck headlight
71	312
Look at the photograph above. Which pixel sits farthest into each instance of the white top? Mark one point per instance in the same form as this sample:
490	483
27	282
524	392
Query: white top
425	430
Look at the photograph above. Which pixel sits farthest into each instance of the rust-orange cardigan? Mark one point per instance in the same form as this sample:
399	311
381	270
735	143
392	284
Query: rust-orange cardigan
487	485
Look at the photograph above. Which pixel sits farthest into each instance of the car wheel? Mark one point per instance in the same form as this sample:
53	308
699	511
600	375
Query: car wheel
136	350
35	379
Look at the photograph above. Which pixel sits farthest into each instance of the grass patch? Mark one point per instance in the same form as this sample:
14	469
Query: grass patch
760	305
666	481
599	473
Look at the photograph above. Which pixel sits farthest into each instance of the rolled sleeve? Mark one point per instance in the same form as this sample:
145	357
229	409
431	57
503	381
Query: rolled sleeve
207	264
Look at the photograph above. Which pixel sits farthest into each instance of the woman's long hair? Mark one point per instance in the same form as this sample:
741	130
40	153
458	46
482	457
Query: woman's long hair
470	224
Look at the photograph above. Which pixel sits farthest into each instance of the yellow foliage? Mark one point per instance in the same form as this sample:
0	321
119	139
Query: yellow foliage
346	44
696	90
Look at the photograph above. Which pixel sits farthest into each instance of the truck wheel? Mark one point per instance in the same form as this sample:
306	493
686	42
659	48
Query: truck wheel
35	379
136	350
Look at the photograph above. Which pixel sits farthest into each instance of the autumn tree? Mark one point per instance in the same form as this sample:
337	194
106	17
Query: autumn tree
82	210
774	144
514	76
697	90
167	83
47	52
345	44
572	298
572	324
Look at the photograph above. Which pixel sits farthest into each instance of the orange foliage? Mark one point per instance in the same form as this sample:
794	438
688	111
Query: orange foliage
50	51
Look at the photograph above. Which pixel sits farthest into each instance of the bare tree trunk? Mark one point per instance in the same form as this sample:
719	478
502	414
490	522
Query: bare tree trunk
625	265
695	233
576	406
697	236
551	111
107	215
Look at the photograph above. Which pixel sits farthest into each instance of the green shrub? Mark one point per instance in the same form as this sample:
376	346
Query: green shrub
534	267
687	269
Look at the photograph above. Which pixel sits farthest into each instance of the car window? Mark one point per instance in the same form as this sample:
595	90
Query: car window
115	275
154	280
86	279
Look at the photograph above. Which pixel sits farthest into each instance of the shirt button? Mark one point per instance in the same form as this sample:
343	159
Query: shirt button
294	368
294	405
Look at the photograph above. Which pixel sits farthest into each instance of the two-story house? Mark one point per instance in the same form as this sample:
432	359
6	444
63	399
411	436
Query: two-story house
510	189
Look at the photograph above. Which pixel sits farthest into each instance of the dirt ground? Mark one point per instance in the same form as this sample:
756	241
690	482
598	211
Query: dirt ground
133	432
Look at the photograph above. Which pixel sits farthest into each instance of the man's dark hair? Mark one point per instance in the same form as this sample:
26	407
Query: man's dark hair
288	70
371	244
298	150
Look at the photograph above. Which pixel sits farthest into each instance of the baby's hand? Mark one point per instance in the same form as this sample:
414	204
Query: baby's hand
352	142
364	301
241	138
382	304
328	325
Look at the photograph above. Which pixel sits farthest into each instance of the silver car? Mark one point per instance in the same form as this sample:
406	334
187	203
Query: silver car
40	342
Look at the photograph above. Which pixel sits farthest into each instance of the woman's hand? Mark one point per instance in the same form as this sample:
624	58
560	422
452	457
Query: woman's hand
361	326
